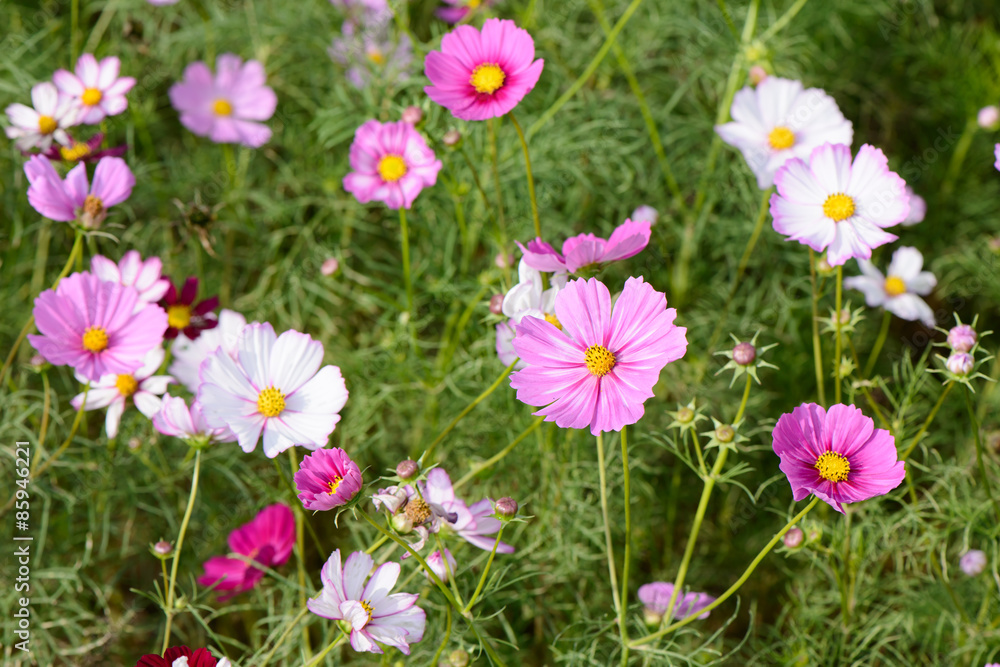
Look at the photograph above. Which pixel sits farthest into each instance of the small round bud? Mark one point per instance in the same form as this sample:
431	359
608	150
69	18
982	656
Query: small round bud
329	266
503	260
645	214
793	538
973	562
496	304
962	338
458	658
37	362
960	363
988	118
412	115
402	524
823	266
815	535
451	138
134	444
845	316
407	469
685	415
725	434
163	548
757	74
651	618
506	508
744	354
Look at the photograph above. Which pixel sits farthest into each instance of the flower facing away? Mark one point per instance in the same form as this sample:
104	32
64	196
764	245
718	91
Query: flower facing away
837	205
973	562
655	597
837	455
372	53
95	88
188	354
526	299
132	271
918	209
480	75
276	388
75	198
183	315
372	612
176	419
779	120
587	250
444	571
267	539
599	368
327	478
390	163
93	326
113	391
228	106
182	656
899	292
456	10
42	123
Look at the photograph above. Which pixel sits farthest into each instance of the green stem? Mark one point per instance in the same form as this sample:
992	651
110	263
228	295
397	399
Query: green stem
817	346
838	343
72	432
608	545
499	455
958	157
927	422
531	179
404	235
495	161
74	39
284	635
169	606
785	19
626	492
743	402
979	454
336	642
883	333
444	641
486	571
300	551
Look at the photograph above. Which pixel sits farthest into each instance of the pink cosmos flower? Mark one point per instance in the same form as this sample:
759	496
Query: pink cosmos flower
391	163
479	75
189	354
473	524
655	597
444	570
587	250
374	614
93	326
918	209
273	389
226	107
96	89
76	198
326	479
113	391
458	9
37	127
599	367
835	205
267	539
372	54
132	271
996	154
836	455
176	419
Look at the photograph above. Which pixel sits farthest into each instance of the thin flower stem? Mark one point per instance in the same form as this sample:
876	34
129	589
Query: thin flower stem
608	545
336	642
445	639
979	454
736	586
479	183
74	38
927	422
743	402
447	566
295	501
486	571
284	635
36	473
838	343
300	549
404	235
495	161
169	605
701	457
951	591
43	427
626	492
785	19
883	332
958	157
531	179
493	460
817	345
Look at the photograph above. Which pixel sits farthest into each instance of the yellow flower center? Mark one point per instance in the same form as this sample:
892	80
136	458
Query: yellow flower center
91	96
474	4
391	168
894	286
75	152
178	316
599	360
93	206
127	385
368	609
271	402
833	467
487	78
838	207
781	138
47	124
95	339
417	510
334	485
376	56
554	321
222	108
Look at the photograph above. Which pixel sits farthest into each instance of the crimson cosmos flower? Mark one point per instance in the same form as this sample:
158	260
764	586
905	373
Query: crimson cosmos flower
182	313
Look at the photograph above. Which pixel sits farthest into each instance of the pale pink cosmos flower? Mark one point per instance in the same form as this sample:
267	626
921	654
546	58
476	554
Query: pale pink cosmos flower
327	478
276	388
228	106
442	567
589	251
76	198
973	562
600	366
188	354
655	597
837	205
647	213
996	154
837	455
526	299
373	613
113	391
918	209
898	292
456	10
132	271
480	75
93	326
472	523
176	419
988	118
95	88
37	127
391	163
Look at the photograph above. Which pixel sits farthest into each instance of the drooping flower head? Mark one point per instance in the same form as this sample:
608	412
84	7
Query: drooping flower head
838	205
113	391
176	419
38	127
456	10
655	597
95	89
133	271
188	354
837	455
586	251
599	366
277	389
899	292
391	163
525	299
184	315
268	539
182	656
327	478
480	75
93	326
75	198
370	53
779	120
227	107
374	614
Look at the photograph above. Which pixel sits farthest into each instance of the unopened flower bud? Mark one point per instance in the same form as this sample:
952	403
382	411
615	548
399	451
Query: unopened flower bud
496	304
458	658
402	524
163	548
651	618
407	469
37	362
503	260
134	444
645	214
757	74
725	434
988	118
823	266
962	338
744	354
451	138
506	508
329	266
960	363
793	538
412	115
685	415
436	563
973	562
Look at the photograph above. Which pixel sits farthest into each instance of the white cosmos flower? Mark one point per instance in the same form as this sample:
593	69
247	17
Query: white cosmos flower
275	387
37	127
132	271
189	354
524	299
898	291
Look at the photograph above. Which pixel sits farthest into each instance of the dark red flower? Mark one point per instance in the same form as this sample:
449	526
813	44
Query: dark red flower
83	151
182	315
198	658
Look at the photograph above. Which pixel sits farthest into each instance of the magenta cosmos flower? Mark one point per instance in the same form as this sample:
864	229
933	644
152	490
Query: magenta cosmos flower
268	540
391	164
373	613
327	478
183	315
598	366
75	198
655	597
132	271
47	120
479	75
587	250
837	455
114	391
95	88
227	107
93	326
837	205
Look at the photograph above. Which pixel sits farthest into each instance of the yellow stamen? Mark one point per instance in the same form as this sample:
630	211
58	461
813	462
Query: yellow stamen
838	207
391	168
368	609
93	206
474	4
334	485
376	56
77	151
95	339
833	467
553	320
127	385
894	286
487	78
91	96
222	108
271	402
781	138
178	316
417	510
599	360
47	124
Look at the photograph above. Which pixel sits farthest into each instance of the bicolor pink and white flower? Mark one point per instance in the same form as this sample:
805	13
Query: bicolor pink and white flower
898	292
188	354
480	75
390	163
276	389
226	107
837	455
113	391
76	198
375	615
837	205
176	419
95	88
133	271
472	523
526	299
327	478
267	539
600	365
655	598
42	123
586	251
779	120
94	327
